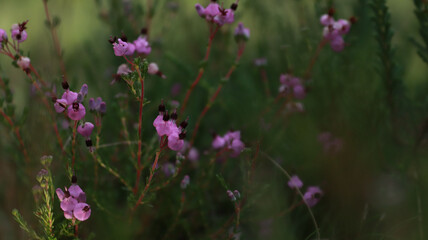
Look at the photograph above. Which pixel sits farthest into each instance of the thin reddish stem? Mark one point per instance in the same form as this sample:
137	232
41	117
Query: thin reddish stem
73	146
214	96
314	58
201	71
140	123
146	188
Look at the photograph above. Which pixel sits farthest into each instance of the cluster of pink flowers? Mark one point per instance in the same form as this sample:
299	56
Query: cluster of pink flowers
233	196
73	202
71	102
122	47
335	30
17	31
166	125
330	143
230	141
313	193
214	13
292	84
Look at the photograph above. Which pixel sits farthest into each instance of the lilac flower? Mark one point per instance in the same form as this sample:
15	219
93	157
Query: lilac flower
123	69
76	111
200	10
231	195
73	202
185	182
241	32
193	154
82	211
97	105
120	48
295	182
237	194
142	45
18	32
69	96
130	49
23	63
225	16
337	44
84	90
166	126
260	62
175	141
231	140
3	35
85	129
312	196
211	11
334	31
326	20
299	92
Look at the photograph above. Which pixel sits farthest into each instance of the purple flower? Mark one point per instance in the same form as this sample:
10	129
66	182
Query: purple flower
68	214
18	32
130	50
259	62
84	90
69	96
123	69
142	45
326	20
299	92
175	141
231	195
3	35
295	182
120	48
225	16
312	196
85	129
337	44
60	105
200	10
237	146
68	203
342	26
211	11
193	154
218	142
82	211
185	182
241	32
168	169
97	105
76	111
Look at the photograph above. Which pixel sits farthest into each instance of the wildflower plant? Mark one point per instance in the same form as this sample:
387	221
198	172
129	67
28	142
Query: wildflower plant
213	120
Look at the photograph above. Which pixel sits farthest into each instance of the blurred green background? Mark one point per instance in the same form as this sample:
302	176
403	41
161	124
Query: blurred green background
375	188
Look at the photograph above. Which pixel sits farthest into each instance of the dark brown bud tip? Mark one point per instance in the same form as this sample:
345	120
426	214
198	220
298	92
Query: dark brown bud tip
331	11
65	85
123	37
74	179
54	99
182	135
143	31
174	115
89	143
234	6
353	20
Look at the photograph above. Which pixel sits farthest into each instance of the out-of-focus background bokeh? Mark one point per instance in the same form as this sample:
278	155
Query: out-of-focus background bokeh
375	187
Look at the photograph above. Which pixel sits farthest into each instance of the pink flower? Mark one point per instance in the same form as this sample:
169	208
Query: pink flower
312	196
3	35
68	215
211	11
82	211
69	96
18	32
85	129
153	68
337	44
242	32
218	142
185	182
299	92
175	141
225	16
24	63
75	190
295	182
193	154
123	69
200	10
237	146
76	111
326	20
142	45
130	50
342	26
68	203
120	48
